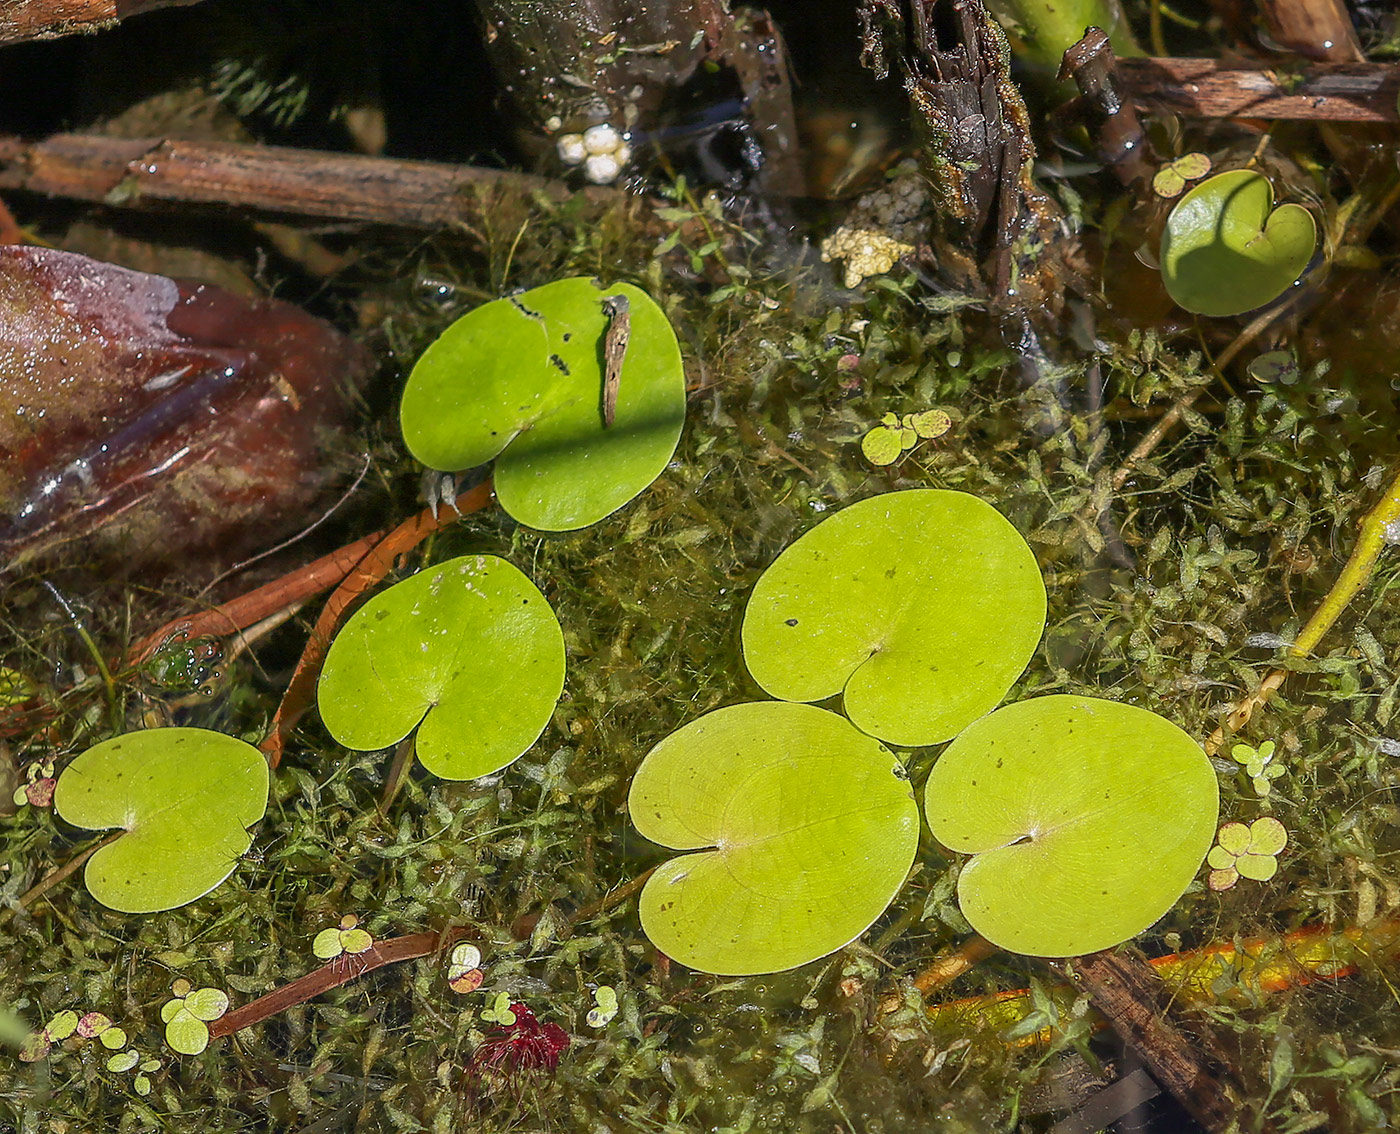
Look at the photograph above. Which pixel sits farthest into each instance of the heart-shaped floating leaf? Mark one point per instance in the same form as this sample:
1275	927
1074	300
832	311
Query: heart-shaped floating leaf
921	606
1227	250
1087	819
805	830
469	648
523	380
186	797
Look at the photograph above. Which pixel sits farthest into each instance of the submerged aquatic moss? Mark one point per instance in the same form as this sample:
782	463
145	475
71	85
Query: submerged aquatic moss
1234	530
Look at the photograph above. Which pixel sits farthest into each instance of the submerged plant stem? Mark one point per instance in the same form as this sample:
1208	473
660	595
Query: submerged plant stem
1379	529
54	877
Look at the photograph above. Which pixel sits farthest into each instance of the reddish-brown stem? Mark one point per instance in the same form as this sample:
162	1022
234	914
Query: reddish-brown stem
367	573
250	608
332	975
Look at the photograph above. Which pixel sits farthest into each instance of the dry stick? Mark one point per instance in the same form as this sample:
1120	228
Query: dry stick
135	173
1380	528
366	573
1209	88
1132	997
340	971
47	19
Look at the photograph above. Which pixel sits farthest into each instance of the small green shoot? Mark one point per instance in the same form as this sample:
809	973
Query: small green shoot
347	939
499	1012
803	829
468	652
1172	178
605	999
1258	766
189	1013
464	972
186	797
1246	852
895	436
1227	250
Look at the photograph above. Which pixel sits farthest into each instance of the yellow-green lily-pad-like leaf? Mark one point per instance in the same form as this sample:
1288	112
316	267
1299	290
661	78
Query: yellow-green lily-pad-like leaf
1086	820
803	829
469	648
1226	249
521	380
921	607
186	797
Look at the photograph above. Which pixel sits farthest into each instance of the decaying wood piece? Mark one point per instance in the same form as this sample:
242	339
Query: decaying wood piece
1314	29
1122	143
1193	1068
140	172
567	65
46	19
976	146
1210	88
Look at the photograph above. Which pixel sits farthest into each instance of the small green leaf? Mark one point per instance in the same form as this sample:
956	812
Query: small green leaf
468	652
606	1010
206	1003
123	1061
186	1034
1267	836
1226	249
521	380
355	941
113	1038
141	1085
327	944
931	423
803	830
881	446
63	1025
186	797
919	607
1086	820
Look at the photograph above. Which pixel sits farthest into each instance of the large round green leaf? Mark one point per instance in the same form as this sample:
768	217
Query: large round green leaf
522	379
186	797
1227	250
469	648
1086	819
921	606
804	828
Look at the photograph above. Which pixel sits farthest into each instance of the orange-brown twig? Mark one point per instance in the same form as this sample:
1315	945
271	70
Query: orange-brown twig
371	568
332	975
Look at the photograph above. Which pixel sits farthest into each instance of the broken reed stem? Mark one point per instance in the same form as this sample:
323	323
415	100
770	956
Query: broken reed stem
331	975
367	573
1380	528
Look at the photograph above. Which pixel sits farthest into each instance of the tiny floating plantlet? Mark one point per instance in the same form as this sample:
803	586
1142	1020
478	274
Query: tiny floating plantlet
468	652
1259	766
1246	852
130	1059
464	972
605	999
537	382
188	1014
342	942
896	435
1172	178
499	1011
1226	249
186	797
38	788
39	1043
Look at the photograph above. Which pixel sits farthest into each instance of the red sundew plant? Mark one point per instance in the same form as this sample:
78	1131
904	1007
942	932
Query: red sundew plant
519	1049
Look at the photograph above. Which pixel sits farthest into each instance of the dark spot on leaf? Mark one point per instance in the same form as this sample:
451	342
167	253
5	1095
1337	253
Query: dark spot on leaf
999	762
560	363
890	574
380	615
568	335
790	622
